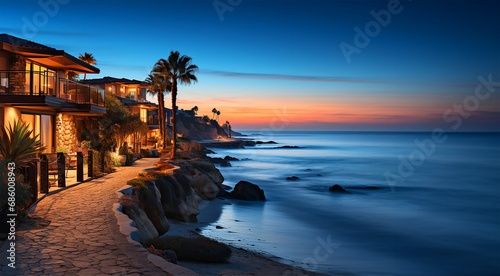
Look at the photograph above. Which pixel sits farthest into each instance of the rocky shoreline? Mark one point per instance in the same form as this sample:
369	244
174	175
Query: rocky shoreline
171	193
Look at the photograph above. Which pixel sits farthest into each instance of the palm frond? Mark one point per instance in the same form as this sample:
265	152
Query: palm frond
17	145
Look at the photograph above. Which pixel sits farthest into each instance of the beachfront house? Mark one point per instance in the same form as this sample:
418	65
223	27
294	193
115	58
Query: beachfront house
34	88
132	94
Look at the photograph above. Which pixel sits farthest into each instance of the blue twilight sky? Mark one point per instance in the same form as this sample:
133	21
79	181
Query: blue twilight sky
270	63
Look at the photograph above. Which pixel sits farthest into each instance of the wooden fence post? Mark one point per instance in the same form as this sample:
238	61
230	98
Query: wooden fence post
61	169
79	166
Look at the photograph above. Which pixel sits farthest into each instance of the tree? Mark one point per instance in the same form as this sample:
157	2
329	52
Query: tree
72	76
132	125
110	124
195	110
218	114
88	58
159	85
178	69
228	128
214	111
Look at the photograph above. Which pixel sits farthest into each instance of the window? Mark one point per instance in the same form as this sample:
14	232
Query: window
44	79
132	93
144	115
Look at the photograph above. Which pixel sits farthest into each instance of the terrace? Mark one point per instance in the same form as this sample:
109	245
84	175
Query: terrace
39	85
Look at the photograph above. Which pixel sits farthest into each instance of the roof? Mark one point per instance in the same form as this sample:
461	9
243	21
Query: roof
108	79
16	41
45	55
129	102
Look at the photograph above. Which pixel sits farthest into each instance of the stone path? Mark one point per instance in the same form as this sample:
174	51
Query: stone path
74	232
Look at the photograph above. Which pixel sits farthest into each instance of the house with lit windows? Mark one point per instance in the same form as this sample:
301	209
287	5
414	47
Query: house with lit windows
132	94
35	88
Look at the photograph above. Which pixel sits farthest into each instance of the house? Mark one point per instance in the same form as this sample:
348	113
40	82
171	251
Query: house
132	94
34	88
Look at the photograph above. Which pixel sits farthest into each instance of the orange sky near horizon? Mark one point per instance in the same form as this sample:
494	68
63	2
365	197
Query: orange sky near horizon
257	113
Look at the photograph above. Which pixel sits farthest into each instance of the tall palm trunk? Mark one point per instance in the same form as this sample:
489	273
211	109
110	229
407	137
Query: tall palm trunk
161	121
174	100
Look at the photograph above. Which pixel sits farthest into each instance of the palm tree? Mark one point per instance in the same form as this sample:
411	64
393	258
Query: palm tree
218	113
159	85
214	111
72	76
88	58
179	69
17	145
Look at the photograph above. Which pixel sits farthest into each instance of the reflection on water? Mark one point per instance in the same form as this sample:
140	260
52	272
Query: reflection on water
445	214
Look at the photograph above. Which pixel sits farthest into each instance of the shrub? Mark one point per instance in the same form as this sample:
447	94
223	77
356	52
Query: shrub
85	144
116	159
199	249
130	156
145	153
23	192
140	186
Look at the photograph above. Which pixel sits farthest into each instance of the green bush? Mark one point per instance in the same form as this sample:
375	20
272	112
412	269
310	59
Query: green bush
116	159
23	192
199	249
139	185
130	156
145	153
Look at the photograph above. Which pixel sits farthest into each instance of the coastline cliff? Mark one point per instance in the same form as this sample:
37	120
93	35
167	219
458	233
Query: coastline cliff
173	190
199	128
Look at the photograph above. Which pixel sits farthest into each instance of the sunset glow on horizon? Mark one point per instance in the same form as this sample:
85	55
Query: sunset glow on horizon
402	74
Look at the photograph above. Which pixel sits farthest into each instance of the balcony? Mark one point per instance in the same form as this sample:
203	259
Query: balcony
75	92
44	83
28	83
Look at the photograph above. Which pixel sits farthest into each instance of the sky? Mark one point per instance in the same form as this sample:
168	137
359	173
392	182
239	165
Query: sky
295	65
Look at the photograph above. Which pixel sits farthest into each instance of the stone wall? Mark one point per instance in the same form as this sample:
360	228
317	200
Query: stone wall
17	81
65	131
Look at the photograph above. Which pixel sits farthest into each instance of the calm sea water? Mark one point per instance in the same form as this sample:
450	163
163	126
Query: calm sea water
443	219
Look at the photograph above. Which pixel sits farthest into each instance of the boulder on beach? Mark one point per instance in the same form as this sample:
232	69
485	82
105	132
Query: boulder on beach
152	206
265	142
146	228
169	255
288	147
220	161
338	189
292	178
230	158
247	191
178	198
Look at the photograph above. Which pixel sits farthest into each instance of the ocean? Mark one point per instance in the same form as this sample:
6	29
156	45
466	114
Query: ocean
435	209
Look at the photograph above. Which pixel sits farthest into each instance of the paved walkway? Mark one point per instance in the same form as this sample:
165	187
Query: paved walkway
75	232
